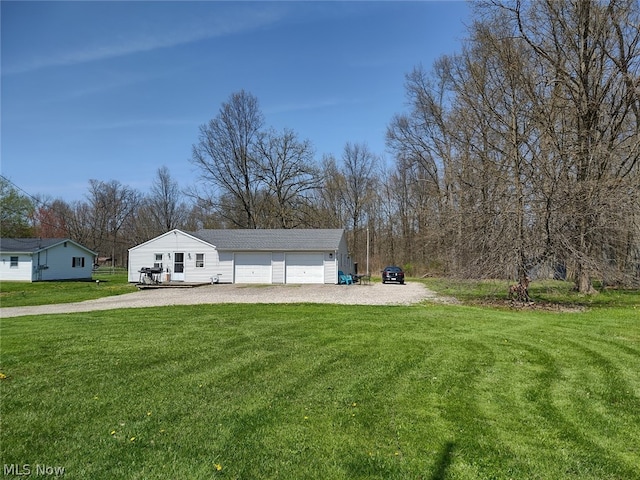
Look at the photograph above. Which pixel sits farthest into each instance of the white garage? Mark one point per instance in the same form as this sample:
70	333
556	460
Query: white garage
253	267
304	268
244	256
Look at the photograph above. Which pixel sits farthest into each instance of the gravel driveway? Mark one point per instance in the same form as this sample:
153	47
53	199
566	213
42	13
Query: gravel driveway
374	294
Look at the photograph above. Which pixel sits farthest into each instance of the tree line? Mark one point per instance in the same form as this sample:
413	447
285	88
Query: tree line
518	156
525	147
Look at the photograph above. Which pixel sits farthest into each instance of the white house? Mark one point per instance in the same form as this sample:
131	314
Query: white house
35	259
244	256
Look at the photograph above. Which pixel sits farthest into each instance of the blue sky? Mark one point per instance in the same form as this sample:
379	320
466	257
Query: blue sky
115	90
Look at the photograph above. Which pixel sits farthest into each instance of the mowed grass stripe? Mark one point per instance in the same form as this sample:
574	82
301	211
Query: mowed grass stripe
320	391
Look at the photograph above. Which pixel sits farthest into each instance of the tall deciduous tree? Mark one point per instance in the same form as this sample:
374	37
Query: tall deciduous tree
589	53
165	203
111	205
529	141
359	171
423	183
330	199
160	211
224	157
288	176
52	218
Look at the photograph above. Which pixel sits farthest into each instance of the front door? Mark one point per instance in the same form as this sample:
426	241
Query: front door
178	267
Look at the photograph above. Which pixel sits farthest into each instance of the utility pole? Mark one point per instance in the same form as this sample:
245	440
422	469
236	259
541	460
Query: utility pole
367	250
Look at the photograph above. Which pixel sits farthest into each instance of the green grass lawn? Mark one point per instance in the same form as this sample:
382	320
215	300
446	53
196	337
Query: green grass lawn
20	294
321	391
543	293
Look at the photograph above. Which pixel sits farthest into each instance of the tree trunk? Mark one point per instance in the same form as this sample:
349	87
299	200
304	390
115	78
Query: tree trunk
583	281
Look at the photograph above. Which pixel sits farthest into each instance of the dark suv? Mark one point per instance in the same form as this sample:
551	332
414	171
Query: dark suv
393	274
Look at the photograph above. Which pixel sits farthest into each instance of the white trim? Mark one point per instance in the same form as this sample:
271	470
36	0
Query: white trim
175	231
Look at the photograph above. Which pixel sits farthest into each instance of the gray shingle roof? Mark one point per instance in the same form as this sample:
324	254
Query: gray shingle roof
32	245
273	240
27	244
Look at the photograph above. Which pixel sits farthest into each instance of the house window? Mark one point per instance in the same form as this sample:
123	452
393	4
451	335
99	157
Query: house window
14	262
199	260
158	261
77	262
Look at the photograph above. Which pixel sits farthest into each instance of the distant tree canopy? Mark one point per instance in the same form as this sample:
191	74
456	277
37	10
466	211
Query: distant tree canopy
16	211
519	156
522	153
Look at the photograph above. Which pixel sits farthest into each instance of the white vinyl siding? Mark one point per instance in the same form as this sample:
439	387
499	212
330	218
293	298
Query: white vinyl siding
53	263
63	261
232	261
16	268
224	268
162	250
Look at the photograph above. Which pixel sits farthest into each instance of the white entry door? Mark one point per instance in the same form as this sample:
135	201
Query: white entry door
178	267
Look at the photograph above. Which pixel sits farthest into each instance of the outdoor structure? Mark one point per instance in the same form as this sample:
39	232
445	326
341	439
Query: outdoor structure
244	256
36	259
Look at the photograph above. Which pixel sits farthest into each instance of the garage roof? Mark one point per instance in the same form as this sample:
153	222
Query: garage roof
273	239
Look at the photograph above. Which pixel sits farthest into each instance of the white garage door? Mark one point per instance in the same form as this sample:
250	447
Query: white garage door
253	267
304	268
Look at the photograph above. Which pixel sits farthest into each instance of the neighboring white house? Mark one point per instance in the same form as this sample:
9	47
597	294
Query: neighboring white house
35	259
244	256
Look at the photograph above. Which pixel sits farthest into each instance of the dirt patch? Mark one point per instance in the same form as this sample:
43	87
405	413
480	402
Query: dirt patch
531	306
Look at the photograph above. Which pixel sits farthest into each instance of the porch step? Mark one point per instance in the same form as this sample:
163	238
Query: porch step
145	286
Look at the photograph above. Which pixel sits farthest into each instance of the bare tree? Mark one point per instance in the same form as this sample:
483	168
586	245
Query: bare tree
331	211
288	176
224	156
589	53
492	81
165	203
111	205
79	223
424	145
359	171
528	142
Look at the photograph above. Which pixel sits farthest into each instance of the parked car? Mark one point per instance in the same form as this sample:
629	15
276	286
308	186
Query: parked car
393	274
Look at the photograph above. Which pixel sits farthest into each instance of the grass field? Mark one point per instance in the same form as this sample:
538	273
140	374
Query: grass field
321	391
20	294
550	294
